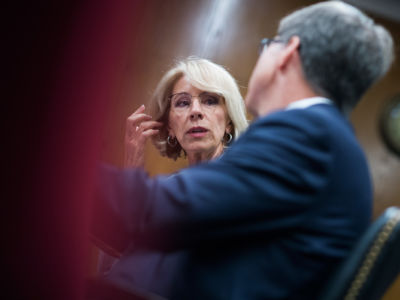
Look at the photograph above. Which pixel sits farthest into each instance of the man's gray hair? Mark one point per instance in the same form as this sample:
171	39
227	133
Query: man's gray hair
343	52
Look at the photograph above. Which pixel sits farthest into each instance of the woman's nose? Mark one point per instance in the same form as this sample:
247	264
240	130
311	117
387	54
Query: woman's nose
196	111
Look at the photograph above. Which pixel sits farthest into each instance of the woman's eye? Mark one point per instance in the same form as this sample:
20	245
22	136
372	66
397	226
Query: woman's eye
211	100
182	102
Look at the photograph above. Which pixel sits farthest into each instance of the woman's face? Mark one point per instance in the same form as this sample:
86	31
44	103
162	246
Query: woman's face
198	119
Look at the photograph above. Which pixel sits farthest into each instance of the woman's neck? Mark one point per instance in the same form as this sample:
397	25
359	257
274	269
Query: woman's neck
198	157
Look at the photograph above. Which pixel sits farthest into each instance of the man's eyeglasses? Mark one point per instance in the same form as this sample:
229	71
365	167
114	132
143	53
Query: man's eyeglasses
182	102
265	42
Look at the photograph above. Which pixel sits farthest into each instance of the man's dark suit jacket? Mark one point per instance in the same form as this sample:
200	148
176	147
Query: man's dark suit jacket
269	219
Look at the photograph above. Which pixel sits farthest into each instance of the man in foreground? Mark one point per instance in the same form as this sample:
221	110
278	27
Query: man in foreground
283	206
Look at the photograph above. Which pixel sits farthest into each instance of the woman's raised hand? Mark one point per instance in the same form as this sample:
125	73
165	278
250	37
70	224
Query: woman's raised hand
139	127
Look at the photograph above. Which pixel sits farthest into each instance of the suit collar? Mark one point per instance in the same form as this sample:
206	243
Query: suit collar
307	102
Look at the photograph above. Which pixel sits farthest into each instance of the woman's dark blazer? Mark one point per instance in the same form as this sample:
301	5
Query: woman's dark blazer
269	219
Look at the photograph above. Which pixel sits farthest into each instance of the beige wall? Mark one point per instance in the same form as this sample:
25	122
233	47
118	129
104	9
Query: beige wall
385	166
176	29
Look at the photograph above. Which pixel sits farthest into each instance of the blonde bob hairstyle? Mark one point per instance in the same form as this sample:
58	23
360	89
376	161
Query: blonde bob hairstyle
206	76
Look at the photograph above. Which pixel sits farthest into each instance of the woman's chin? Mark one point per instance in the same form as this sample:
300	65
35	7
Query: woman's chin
201	147
197	149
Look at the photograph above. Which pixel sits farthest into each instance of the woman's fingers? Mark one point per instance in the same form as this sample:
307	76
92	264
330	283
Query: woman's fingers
143	126
150	132
136	131
138	128
133	122
139	110
138	116
136	119
149	125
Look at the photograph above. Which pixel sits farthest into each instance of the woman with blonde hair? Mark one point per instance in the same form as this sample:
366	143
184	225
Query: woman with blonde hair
196	109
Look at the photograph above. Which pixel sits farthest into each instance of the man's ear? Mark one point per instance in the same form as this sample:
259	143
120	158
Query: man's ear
290	49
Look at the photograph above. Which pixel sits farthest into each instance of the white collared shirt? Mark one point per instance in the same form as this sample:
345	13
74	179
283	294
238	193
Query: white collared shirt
304	103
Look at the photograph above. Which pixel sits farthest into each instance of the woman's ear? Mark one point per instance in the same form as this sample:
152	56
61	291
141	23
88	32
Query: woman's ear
170	131
168	127
229	127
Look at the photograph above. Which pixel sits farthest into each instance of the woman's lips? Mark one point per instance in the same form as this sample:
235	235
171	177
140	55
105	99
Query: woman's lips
197	131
